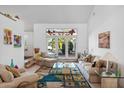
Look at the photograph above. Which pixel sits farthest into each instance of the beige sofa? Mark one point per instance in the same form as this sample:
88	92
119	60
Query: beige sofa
28	77
89	71
25	77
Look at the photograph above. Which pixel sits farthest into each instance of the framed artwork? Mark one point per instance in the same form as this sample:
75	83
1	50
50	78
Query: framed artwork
7	36
17	41
104	40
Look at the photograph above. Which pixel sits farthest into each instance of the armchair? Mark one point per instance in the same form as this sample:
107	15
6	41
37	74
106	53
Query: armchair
43	60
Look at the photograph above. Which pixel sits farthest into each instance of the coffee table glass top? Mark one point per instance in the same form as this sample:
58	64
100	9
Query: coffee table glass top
63	65
68	74
64	68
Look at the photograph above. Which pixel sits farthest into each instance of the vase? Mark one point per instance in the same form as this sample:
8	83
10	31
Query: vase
12	64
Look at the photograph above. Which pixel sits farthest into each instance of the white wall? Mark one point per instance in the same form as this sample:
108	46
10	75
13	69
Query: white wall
28	37
108	18
40	35
7	52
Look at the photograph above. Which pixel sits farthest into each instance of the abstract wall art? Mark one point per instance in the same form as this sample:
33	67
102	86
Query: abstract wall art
7	36
17	41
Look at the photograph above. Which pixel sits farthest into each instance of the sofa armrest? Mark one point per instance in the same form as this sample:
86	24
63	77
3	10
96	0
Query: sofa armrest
93	77
23	78
93	69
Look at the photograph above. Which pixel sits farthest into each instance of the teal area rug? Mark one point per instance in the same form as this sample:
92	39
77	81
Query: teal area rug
51	78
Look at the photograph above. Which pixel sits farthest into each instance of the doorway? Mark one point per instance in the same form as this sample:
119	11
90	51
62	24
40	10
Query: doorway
62	43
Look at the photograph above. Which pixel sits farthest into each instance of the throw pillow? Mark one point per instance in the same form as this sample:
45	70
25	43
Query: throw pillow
98	64
88	58
92	58
6	76
37	57
8	68
103	62
16	66
14	71
96	59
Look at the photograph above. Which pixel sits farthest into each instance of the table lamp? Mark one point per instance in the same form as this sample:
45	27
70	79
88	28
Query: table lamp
109	57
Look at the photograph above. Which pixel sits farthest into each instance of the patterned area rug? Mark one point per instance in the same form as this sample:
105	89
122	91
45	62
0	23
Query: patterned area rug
43	70
65	75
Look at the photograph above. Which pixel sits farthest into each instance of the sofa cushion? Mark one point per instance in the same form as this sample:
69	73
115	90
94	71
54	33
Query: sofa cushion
101	63
6	76
37	56
8	68
89	58
15	72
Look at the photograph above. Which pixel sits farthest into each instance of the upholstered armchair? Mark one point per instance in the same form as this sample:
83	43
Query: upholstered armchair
41	59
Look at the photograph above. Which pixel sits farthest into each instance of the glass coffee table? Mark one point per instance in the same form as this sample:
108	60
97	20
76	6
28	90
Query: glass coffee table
109	80
66	75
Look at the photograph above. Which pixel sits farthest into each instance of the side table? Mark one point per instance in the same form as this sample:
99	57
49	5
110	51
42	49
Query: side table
108	81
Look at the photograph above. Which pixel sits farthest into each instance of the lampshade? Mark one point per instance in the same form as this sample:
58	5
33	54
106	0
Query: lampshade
108	56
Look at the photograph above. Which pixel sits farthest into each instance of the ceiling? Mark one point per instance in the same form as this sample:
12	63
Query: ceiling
49	14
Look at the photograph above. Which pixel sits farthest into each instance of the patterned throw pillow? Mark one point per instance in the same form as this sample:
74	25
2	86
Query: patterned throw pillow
14	71
6	76
101	63
98	64
8	68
